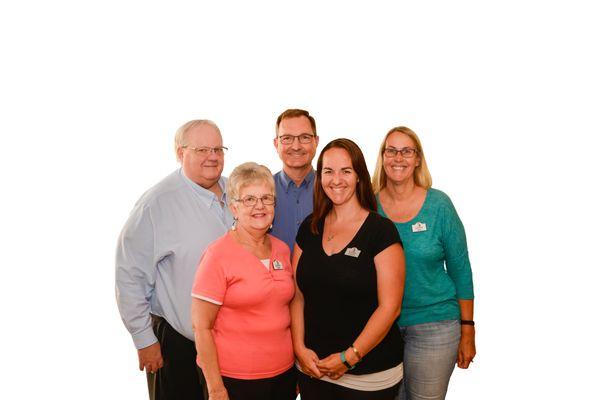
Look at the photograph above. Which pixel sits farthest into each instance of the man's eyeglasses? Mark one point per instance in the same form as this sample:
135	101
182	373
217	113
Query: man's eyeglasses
204	151
406	152
250	201
305	138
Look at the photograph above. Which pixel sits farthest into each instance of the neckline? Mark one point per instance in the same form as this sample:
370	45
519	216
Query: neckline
347	244
258	260
413	219
287	181
206	195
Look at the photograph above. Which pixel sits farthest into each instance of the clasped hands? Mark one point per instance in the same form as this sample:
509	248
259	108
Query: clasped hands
331	366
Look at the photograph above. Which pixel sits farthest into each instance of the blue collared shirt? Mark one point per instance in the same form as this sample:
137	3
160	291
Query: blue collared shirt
294	203
158	252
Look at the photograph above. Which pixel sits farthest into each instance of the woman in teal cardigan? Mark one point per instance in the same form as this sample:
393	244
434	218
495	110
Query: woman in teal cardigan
436	319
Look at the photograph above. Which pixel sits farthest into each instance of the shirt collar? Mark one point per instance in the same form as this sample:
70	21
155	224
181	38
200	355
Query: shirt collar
206	196
286	181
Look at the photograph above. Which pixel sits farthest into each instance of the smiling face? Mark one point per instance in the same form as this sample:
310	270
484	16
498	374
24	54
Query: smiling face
203	169
258	217
400	169
296	155
338	177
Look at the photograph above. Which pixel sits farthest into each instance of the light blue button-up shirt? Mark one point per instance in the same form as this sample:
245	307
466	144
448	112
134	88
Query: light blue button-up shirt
158	252
294	203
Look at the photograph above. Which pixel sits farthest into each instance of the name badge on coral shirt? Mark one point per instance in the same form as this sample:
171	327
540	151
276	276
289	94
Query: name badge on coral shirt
419	227
277	265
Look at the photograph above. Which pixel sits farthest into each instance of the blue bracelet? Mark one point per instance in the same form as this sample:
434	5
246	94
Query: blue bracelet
346	363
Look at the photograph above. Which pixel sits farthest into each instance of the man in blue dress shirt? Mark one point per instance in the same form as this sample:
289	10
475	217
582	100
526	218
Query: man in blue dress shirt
296	142
157	255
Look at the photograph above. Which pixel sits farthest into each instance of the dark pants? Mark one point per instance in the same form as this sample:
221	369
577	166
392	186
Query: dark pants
316	389
179	378
280	387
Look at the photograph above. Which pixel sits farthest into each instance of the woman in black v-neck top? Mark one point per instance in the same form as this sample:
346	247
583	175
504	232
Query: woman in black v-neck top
349	287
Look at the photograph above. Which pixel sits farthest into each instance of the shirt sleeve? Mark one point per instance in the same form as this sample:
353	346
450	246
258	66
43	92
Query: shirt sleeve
304	232
210	282
383	235
454	241
135	275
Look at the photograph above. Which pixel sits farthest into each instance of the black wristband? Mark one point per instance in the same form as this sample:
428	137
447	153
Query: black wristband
467	322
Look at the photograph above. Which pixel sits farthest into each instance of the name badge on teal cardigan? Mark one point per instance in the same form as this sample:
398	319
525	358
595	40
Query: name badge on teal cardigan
419	227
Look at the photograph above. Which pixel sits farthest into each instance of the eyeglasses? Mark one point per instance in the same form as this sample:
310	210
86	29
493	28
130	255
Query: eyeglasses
205	151
305	138
407	152
250	201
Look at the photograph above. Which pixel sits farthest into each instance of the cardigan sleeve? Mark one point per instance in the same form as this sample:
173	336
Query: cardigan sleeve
454	241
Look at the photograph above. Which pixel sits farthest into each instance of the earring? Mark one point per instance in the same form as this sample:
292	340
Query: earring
235	220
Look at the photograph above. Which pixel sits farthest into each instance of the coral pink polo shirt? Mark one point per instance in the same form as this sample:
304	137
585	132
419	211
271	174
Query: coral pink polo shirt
252	329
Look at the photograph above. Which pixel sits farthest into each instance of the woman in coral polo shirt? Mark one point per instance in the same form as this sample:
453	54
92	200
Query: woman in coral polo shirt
241	296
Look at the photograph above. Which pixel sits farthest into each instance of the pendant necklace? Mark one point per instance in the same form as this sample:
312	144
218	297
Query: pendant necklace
330	237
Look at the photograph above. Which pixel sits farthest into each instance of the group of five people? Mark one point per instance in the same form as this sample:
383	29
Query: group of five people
326	281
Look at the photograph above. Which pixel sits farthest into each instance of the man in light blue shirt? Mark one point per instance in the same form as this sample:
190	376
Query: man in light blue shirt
296	143
157	255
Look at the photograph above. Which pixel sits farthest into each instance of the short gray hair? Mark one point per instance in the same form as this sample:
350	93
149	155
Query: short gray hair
181	134
246	174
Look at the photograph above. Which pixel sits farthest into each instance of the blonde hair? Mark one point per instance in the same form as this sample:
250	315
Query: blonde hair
421	174
181	134
246	174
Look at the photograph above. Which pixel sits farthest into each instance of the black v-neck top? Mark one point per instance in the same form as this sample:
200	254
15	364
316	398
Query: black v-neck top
340	292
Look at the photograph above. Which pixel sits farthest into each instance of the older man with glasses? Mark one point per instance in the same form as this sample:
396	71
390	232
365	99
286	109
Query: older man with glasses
157	254
296	143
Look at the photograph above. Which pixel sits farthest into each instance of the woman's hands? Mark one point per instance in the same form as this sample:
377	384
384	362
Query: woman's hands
308	360
466	347
332	365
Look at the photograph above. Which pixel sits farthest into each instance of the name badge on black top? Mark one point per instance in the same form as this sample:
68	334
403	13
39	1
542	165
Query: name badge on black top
352	252
277	265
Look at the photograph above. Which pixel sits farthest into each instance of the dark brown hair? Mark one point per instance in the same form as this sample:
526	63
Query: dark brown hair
322	205
294	113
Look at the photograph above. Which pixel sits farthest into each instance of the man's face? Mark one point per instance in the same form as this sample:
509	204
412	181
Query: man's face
204	169
296	155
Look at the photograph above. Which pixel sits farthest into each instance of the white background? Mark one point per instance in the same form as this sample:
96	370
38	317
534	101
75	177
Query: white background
505	96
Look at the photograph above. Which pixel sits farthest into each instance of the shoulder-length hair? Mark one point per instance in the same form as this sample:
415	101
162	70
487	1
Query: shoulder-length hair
421	174
322	205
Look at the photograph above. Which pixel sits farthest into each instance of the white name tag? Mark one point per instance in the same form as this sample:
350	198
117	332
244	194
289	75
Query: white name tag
419	227
277	264
352	252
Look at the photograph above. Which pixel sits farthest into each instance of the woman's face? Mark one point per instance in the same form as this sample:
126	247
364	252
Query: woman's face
400	168
258	216
338	178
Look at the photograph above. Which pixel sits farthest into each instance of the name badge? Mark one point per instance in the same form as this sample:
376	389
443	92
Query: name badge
419	227
277	265
352	252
